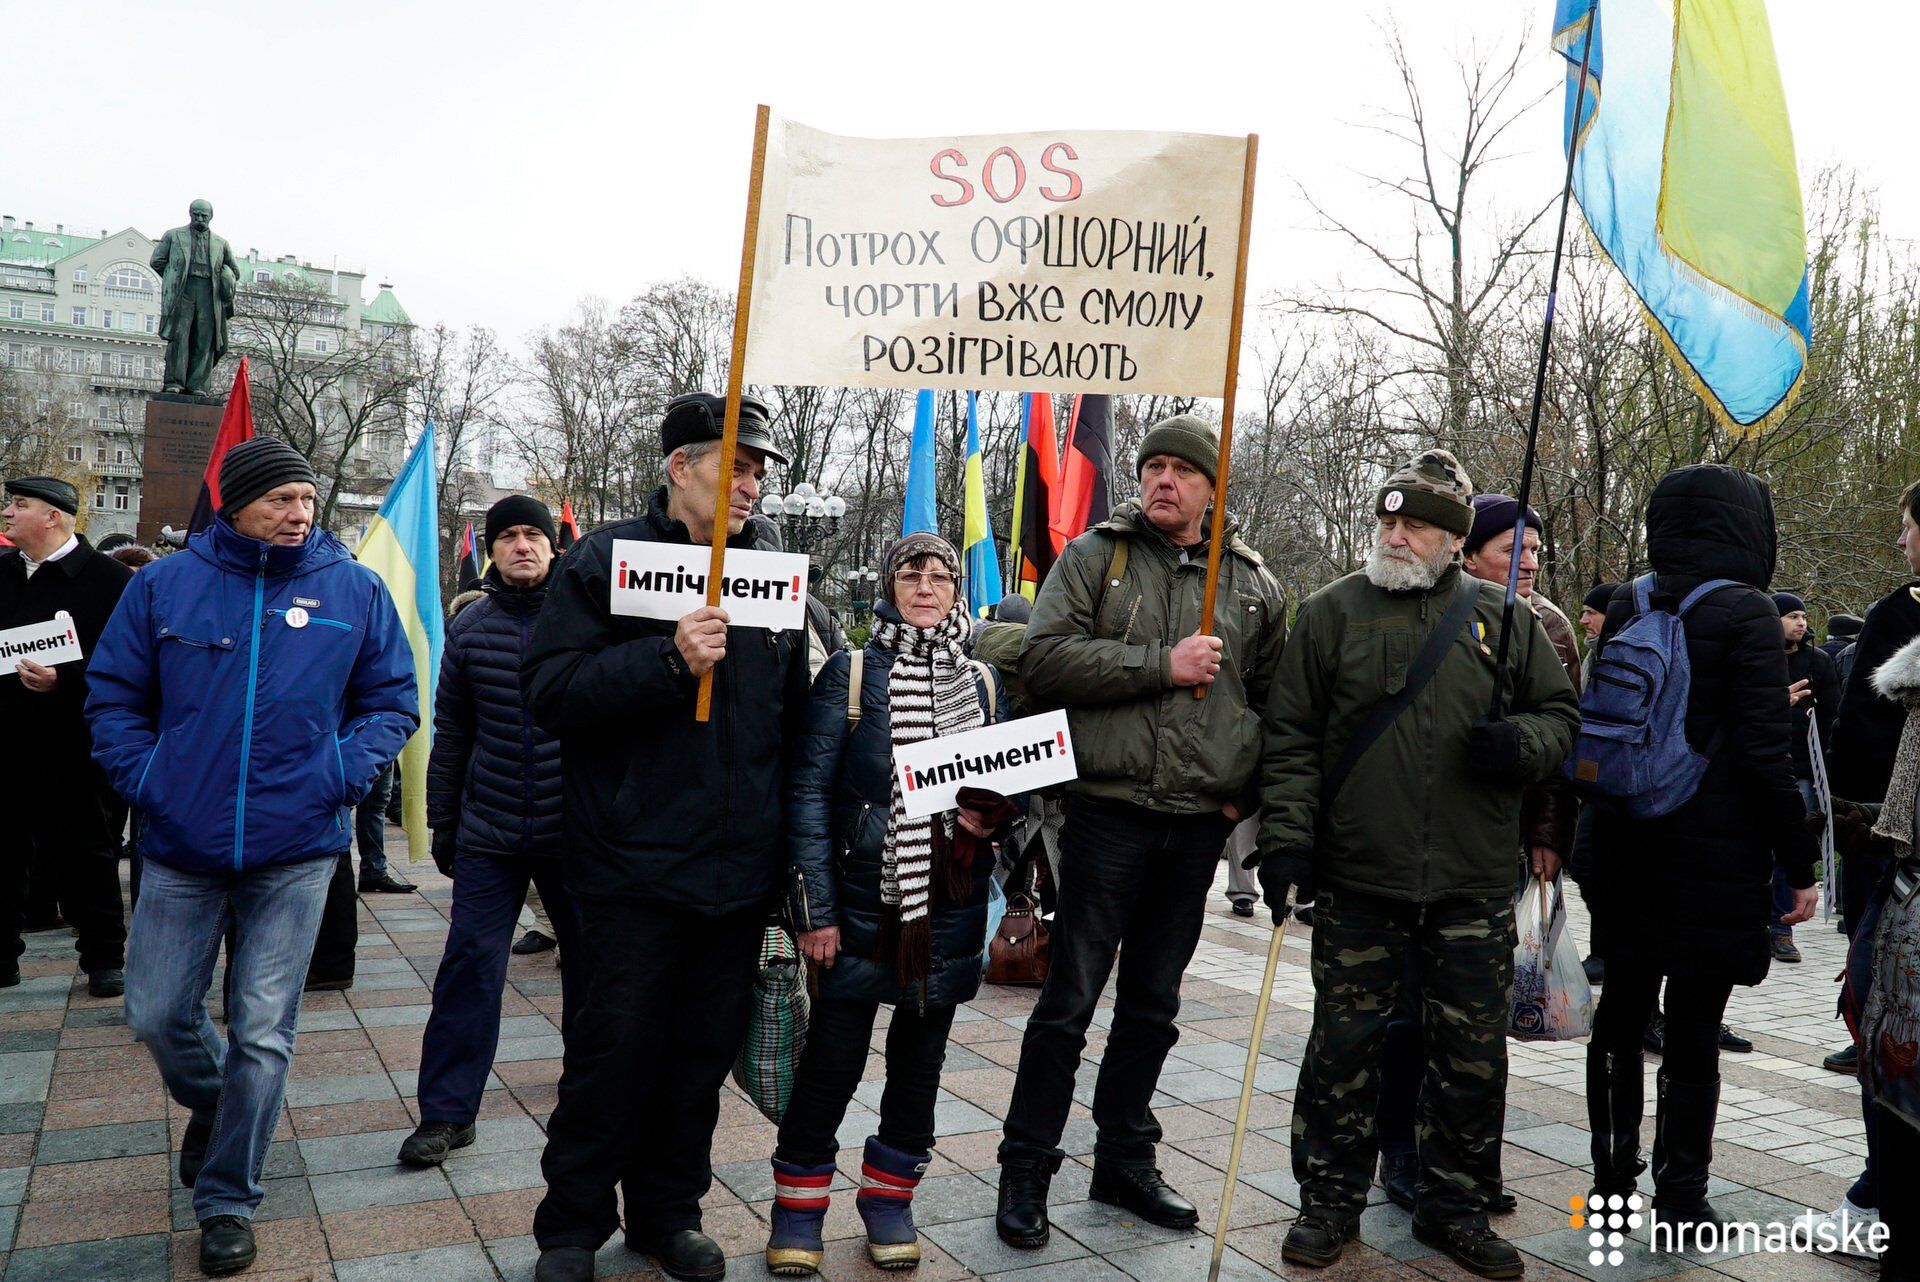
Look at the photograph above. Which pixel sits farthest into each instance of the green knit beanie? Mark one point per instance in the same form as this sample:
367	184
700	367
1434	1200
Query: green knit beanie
1430	487
1183	436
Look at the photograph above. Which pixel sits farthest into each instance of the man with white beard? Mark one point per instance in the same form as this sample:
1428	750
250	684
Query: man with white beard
1394	803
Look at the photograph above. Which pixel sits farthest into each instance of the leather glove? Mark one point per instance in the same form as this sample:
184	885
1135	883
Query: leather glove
443	850
1284	870
1493	749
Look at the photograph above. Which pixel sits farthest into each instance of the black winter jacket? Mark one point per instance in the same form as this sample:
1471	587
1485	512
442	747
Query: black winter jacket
837	829
1812	665
1866	734
86	584
1691	892
658	806
493	773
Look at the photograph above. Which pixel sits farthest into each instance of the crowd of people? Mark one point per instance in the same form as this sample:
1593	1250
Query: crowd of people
1403	751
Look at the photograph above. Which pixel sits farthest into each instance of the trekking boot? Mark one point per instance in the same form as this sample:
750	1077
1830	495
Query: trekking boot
1784	949
1400	1177
226	1244
1474	1247
431	1142
1845	1060
800	1199
1142	1190
1683	1151
1317	1239
111	982
1616	1101
885	1202
193	1150
1021	1216
686	1254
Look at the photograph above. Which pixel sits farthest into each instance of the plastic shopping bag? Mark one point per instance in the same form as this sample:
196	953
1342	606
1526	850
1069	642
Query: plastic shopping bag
776	1037
1552	1001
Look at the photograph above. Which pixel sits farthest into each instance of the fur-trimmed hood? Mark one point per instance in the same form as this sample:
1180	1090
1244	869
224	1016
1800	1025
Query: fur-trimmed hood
1899	677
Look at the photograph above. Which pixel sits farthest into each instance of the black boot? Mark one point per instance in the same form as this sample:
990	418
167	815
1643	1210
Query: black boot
1683	1151
1616	1101
687	1254
564	1264
1021	1219
431	1142
1142	1190
226	1244
1400	1177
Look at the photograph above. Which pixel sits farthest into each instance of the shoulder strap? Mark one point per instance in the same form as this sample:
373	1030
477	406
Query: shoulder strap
856	666
1384	713
1643	594
992	682
1116	570
1702	592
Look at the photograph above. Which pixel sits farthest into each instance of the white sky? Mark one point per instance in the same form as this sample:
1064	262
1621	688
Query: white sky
497	161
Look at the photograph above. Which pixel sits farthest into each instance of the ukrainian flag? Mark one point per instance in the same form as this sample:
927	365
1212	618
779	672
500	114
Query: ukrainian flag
1685	172
981	560
402	546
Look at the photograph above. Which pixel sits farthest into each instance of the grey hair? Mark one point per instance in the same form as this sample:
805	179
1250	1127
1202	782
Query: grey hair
692	453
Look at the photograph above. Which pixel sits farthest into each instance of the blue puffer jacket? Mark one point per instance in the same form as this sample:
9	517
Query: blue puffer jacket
837	827
493	772
243	739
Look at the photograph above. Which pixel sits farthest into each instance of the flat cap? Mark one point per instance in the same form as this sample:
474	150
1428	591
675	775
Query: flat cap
48	489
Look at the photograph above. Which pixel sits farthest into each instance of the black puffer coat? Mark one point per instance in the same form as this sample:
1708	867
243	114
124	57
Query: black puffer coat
1690	892
1866	733
836	829
493	771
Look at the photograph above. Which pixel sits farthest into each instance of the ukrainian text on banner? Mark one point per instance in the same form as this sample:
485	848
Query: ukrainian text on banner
1078	260
668	581
43	643
1008	757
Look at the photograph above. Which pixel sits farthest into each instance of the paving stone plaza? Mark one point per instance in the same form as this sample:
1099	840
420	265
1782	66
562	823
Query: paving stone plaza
87	1133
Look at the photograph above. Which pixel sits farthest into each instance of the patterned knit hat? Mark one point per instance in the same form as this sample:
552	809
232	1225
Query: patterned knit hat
910	548
1431	487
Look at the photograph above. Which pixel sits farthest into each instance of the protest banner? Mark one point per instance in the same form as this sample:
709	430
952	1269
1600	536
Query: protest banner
667	581
1007	757
43	643
1073	260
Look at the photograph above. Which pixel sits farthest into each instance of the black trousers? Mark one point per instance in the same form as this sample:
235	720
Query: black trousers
1695	1008
838	1034
1898	1143
1134	882
665	1013
65	850
339	925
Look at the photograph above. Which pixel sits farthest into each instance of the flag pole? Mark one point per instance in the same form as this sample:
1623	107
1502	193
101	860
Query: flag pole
736	372
1518	546
1227	397
1246	1096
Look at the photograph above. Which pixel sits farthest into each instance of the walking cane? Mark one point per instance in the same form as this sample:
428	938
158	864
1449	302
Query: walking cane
1246	1097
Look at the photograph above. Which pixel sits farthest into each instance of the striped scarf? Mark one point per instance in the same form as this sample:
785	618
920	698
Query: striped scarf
930	692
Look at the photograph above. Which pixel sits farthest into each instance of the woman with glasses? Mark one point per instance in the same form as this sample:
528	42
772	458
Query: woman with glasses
892	910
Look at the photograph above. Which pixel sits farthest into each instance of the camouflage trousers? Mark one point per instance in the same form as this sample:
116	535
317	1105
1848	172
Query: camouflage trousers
1360	944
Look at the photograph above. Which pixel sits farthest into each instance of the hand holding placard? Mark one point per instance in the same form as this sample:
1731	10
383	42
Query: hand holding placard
1007	757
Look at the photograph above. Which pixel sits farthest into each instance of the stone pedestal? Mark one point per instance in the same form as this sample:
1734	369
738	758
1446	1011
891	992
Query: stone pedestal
180	432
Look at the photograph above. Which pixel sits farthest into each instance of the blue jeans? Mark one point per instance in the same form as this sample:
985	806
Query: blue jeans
235	1086
370	827
463	1032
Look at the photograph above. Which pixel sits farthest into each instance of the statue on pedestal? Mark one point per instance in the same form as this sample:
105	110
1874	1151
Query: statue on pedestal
199	277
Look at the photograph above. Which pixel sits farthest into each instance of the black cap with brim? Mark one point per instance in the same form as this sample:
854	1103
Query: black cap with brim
48	489
701	416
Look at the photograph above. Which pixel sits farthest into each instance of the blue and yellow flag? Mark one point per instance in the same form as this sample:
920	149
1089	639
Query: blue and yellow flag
402	546
1685	172
919	515
977	552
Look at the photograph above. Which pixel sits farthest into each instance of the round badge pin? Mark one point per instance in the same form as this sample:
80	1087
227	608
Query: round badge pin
297	617
1394	501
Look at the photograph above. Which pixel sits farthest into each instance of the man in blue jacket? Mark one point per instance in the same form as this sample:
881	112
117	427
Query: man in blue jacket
243	697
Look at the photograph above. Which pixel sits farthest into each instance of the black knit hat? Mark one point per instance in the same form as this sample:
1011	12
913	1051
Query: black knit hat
1184	436
255	466
1494	514
1600	596
1788	603
520	509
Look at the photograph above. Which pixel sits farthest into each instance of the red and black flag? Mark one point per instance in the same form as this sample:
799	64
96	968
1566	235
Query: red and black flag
472	568
569	529
1035	491
1086	469
236	425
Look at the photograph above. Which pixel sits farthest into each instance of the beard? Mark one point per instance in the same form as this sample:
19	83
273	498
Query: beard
1402	570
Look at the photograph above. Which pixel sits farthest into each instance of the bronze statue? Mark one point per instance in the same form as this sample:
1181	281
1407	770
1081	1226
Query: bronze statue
198	279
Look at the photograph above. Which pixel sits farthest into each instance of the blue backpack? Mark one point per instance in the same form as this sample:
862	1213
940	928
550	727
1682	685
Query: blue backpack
1632	753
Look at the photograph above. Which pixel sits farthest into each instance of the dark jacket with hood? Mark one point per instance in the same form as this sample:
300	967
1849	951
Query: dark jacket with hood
658	806
1866	733
1691	892
494	774
836	832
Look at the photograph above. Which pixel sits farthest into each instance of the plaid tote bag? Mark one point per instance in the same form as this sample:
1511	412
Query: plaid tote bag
777	1029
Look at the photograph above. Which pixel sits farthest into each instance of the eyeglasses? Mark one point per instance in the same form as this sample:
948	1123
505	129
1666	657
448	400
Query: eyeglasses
930	578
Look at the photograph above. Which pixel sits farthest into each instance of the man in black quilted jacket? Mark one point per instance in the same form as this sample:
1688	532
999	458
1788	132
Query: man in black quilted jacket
494	803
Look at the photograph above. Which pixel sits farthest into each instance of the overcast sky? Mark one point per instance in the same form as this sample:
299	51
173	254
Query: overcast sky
496	161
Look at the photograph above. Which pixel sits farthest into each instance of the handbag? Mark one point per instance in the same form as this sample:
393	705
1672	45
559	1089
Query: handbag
769	1058
1020	949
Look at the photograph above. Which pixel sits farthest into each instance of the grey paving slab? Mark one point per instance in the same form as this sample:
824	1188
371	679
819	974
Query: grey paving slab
29	1039
1200	1085
394	1016
383	1186
1389	1230
100	1016
19	1118
957	1117
1186	1261
1108	1229
24	1075
324	1021
978	1248
407	1082
44	992
13	1185
945	1199
303	1092
494	1172
513	1050
526	1026
1090	1268
464	1263
334	1153
285	1199
514	1257
126	1259
9	1220
86	1143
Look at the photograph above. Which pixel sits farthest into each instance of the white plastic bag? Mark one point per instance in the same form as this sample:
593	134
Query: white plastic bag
1552	1001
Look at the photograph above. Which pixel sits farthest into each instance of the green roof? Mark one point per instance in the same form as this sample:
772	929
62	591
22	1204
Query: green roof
41	247
385	309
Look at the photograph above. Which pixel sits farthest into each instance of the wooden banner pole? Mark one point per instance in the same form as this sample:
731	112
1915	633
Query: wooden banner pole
1246	1099
736	383
1227	397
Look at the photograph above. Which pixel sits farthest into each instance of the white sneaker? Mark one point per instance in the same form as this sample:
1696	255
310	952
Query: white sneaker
1844	1229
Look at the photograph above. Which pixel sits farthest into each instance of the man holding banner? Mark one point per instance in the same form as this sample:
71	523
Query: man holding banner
1163	778
675	843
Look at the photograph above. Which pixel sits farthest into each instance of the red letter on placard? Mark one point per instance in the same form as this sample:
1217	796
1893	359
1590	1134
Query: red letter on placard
966	188
1019	174
1073	180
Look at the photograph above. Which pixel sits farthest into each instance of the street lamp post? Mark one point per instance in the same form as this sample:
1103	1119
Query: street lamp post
806	516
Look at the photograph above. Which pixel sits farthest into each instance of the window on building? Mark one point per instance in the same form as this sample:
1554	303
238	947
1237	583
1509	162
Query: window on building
100	498
130	321
16	309
126	367
119	498
153	324
153	367
80	275
46	313
261	277
75	453
99	453
79	315
127	276
320	342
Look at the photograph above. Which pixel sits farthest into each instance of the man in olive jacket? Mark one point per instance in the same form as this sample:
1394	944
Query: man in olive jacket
1416	851
1164	776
